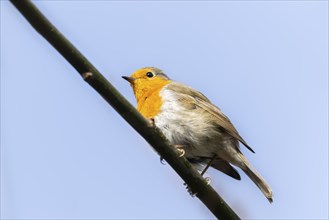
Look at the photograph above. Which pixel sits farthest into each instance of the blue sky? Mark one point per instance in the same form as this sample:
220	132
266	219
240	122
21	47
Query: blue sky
65	154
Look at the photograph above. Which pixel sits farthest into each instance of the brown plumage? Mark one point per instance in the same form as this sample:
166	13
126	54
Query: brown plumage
189	120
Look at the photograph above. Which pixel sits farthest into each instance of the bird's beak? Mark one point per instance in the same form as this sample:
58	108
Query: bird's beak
129	79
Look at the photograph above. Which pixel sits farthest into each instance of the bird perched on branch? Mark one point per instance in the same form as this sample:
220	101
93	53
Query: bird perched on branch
193	124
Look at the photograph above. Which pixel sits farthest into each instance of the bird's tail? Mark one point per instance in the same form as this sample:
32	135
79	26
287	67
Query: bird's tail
256	178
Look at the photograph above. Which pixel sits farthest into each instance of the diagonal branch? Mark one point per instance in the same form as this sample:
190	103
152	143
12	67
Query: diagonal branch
151	134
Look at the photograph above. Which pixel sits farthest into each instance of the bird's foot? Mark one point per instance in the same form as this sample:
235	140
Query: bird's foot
181	152
180	149
208	180
162	161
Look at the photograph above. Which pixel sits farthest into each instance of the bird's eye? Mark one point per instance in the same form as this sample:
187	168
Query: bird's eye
149	74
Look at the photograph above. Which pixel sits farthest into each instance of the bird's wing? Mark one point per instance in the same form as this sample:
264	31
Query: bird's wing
198	99
226	168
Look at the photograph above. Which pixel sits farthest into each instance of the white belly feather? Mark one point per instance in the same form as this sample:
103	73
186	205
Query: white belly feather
188	128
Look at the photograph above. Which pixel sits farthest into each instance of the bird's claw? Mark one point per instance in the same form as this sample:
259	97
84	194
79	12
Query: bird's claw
181	151
208	180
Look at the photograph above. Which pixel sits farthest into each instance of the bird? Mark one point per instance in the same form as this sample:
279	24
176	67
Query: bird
193	124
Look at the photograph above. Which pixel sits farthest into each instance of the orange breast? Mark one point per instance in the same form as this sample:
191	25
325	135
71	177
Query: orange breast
150	105
147	93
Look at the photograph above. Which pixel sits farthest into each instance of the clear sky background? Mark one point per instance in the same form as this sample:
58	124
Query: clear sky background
66	154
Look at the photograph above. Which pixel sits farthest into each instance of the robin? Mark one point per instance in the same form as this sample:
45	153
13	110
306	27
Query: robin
192	123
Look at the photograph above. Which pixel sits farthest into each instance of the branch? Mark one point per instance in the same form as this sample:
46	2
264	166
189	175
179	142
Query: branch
151	134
